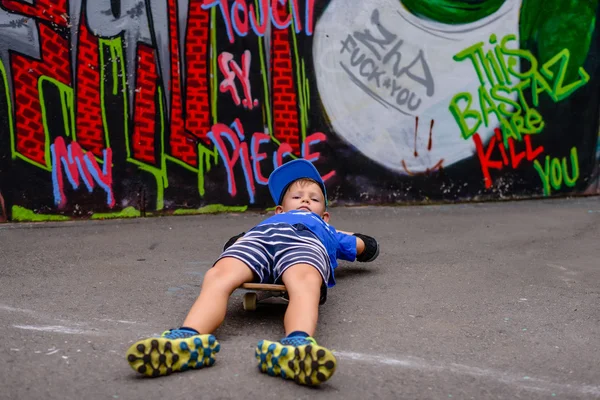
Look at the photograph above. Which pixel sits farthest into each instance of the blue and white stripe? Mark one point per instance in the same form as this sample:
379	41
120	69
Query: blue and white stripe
269	250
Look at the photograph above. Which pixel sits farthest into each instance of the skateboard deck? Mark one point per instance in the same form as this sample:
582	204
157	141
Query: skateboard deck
261	293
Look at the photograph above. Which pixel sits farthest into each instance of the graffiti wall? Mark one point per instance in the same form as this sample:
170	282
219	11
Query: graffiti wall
120	108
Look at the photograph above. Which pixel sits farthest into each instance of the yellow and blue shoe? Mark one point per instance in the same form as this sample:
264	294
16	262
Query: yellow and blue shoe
299	359
176	350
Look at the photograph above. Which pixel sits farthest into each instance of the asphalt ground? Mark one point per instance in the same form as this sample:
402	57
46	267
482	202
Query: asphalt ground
469	301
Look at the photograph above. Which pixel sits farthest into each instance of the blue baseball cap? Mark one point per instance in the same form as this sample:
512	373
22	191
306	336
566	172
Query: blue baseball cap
290	172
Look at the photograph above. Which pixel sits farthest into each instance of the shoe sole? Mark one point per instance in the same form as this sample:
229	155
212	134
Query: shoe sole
309	364
161	356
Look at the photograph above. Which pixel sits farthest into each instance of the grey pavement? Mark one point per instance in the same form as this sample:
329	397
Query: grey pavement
469	301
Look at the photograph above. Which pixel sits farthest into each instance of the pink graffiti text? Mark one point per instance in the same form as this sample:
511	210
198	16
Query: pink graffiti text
237	151
79	164
232	70
242	17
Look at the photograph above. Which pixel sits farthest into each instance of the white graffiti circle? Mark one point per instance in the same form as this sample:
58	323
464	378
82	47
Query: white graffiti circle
386	78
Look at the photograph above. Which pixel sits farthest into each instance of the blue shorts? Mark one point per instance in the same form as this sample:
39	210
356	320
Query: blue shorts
268	250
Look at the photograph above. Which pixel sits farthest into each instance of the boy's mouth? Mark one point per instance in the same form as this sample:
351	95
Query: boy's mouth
304	208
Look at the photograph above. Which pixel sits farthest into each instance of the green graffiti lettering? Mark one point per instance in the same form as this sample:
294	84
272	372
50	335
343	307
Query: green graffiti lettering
67	108
544	174
496	91
556	174
530	123
534	123
503	66
517	123
487	105
516	118
518	53
475	54
570	181
508	131
495	67
119	80
538	86
519	88
560	92
462	116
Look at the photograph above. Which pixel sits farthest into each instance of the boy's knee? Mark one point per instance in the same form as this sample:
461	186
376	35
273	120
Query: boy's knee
227	274
303	275
214	279
215	275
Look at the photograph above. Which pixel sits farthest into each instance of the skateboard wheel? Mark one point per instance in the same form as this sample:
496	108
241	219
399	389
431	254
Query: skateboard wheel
249	301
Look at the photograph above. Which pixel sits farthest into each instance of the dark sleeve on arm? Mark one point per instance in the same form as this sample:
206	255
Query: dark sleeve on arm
371	251
232	240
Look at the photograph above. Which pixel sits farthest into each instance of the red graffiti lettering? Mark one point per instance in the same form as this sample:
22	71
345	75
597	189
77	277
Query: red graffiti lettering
31	139
144	116
153	99
510	158
90	131
197	82
285	107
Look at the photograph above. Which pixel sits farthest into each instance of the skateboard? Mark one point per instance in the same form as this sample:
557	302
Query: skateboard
272	293
266	293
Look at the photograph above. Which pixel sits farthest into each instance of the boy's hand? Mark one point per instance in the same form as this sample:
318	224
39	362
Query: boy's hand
232	240
367	248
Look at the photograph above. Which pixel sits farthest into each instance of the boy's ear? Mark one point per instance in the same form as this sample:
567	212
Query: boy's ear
278	210
326	216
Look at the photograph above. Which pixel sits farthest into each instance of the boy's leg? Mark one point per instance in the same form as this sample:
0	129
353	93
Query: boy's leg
298	356
208	312
303	283
193	346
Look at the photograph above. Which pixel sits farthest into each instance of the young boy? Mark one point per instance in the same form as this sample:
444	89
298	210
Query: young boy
296	247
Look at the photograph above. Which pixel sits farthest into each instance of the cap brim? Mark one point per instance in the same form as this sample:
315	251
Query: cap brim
289	172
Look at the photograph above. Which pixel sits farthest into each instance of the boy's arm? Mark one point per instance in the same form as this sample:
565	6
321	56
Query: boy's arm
367	248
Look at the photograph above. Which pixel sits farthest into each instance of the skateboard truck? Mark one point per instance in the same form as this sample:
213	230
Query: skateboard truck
251	298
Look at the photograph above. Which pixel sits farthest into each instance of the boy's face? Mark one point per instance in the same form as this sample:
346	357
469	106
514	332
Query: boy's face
304	196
